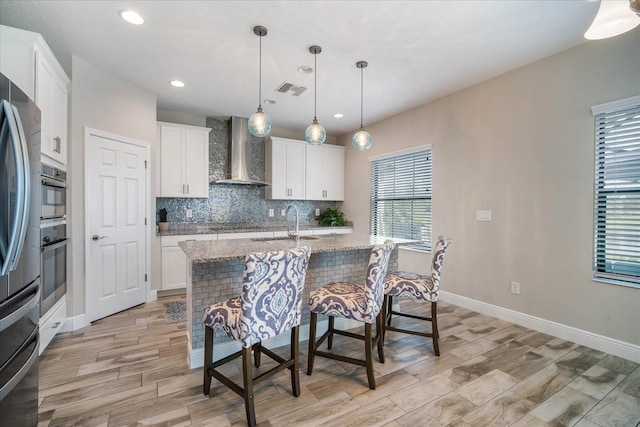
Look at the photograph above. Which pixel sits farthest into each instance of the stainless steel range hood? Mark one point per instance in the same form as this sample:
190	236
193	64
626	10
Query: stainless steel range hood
239	155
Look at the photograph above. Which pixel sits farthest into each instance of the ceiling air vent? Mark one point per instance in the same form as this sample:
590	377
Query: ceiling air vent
290	87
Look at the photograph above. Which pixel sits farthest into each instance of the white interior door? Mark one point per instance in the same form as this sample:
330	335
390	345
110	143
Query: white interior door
116	231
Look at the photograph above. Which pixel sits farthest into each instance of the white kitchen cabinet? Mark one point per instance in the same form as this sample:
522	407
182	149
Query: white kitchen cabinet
324	177
52	99
174	261
285	169
184	160
174	268
26	59
52	323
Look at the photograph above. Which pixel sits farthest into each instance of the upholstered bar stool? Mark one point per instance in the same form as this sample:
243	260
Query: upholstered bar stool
416	287
270	304
353	301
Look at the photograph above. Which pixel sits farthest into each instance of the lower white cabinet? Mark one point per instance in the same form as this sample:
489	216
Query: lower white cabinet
52	322
174	261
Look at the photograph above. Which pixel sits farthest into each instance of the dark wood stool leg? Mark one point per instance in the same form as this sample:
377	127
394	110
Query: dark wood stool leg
312	341
384	318
434	327
330	338
380	335
368	357
389	309
257	354
295	351
208	359
247	376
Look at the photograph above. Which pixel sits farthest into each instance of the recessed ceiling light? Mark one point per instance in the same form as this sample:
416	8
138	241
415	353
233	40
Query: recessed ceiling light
338	115
269	101
177	83
132	17
304	69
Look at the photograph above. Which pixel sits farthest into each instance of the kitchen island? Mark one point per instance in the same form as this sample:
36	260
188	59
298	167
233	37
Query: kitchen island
215	269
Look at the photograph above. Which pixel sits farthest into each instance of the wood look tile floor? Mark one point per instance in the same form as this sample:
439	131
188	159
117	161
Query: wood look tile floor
131	369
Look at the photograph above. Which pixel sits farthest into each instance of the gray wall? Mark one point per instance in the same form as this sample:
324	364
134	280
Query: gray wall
521	145
102	101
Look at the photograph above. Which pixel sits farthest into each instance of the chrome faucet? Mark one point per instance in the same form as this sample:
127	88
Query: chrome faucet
297	235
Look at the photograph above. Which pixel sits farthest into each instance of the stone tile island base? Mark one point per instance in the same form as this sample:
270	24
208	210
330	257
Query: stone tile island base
215	281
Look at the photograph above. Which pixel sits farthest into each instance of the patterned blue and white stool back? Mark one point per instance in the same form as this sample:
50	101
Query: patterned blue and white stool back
374	283
436	263
272	290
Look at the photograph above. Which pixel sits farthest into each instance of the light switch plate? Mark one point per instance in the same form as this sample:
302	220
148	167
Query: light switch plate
189	213
283	212
317	211
483	215
271	212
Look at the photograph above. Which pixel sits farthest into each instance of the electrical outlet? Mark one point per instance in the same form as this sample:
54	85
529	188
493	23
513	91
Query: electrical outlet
317	211
271	212
483	215
189	213
515	288
283	212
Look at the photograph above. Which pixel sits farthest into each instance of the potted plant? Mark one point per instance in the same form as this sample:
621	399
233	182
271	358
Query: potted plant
163	225
332	218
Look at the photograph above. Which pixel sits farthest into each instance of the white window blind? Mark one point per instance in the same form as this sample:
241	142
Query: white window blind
617	194
401	197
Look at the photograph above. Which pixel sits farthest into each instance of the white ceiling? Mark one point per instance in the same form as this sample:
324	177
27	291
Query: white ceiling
417	50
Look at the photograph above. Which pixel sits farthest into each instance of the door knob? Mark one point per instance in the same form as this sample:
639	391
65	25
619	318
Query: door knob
95	237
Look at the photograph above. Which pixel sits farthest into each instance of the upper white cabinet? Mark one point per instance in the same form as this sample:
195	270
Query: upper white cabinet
325	172
26	59
184	160
285	168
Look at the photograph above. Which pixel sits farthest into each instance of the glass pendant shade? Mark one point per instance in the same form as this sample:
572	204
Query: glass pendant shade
315	133
362	140
259	124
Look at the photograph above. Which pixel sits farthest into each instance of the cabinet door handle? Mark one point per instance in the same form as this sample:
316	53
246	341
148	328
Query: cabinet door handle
183	188
187	188
56	144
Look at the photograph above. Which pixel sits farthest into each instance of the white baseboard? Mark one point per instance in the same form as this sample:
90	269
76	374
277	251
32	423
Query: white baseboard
599	342
196	356
74	323
152	296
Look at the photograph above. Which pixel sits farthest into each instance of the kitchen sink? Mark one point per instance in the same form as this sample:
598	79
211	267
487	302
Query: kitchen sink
269	239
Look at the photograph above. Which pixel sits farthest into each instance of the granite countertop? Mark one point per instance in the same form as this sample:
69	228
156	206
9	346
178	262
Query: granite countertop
200	252
184	229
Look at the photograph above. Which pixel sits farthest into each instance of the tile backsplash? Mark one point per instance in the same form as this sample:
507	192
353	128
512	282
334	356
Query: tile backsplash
234	203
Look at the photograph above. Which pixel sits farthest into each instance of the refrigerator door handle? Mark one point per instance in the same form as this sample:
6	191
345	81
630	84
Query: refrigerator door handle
15	227
26	171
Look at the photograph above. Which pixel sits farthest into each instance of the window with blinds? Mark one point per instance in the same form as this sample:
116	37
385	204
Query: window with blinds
401	197
617	192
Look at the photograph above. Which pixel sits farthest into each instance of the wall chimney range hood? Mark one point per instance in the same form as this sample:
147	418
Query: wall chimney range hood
239	155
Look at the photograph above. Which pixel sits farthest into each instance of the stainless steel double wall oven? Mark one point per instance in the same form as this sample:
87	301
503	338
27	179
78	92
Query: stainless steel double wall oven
53	236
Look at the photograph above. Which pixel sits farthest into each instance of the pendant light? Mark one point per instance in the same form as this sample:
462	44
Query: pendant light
362	139
259	122
614	17
315	133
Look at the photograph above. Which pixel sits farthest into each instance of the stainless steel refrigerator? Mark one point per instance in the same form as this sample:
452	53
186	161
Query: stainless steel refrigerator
19	256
